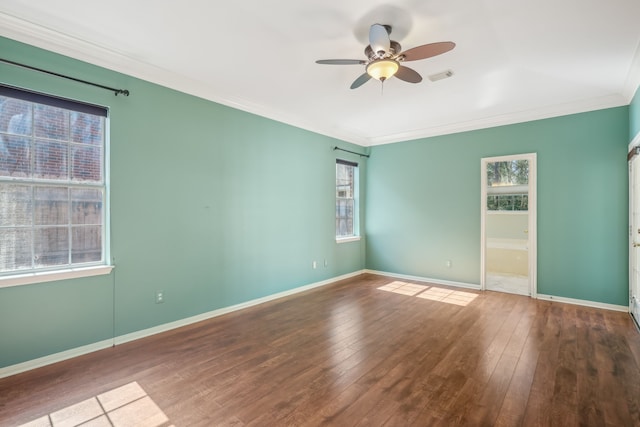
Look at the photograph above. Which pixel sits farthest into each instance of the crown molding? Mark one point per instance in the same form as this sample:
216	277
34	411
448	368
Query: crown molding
46	38
582	106
633	77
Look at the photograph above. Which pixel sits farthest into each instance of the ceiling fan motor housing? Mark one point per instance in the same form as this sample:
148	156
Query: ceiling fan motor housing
394	49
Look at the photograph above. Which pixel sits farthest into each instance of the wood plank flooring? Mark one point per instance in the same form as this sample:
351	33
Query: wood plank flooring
349	354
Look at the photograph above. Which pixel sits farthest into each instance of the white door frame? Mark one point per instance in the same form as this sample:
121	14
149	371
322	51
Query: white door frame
533	233
632	258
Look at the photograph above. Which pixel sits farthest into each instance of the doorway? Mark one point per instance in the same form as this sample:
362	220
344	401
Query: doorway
508	224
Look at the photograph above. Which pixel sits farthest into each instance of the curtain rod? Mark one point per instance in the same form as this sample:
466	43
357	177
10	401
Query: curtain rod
352	152
124	92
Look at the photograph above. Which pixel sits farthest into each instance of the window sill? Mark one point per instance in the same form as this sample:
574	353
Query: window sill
347	239
507	212
50	276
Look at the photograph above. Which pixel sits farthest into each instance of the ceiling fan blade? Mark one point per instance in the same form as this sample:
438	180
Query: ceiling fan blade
427	51
360	81
341	61
379	38
408	75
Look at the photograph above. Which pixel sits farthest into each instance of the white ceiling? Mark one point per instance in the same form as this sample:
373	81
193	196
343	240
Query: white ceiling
515	60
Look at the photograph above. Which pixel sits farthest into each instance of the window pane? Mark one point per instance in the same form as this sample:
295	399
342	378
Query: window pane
51	122
15	205
15	116
50	160
86	205
86	163
86	244
517	203
504	203
14	156
15	251
86	128
508	202
342	211
344	181
492	203
51	246
51	206
342	227
514	172
344	217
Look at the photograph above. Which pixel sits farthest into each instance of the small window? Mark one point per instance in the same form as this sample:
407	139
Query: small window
52	183
346	200
507	186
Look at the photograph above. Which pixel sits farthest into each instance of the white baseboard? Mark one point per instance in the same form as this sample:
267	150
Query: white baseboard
426	279
573	301
90	348
54	358
219	312
585	303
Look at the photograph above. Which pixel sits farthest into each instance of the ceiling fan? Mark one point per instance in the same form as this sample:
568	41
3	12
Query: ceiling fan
384	57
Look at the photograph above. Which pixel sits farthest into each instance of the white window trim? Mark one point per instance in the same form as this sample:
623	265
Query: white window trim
507	212
356	208
347	239
51	276
18	278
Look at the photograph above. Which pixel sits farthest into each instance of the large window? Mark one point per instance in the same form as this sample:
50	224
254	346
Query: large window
52	183
346	200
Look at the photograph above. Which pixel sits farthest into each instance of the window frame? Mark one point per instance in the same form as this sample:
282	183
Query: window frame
70	270
356	202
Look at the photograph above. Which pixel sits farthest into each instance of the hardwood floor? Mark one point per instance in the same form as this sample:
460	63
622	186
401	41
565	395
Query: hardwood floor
349	354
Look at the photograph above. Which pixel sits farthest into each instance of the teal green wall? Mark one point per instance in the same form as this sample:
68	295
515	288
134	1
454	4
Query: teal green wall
634	116
216	207
212	205
423	203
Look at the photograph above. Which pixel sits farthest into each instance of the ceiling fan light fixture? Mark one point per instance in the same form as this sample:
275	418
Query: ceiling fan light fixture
382	69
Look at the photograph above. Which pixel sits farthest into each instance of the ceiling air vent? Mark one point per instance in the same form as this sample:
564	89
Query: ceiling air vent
440	76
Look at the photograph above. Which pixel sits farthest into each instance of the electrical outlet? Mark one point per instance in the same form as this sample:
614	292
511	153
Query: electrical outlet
314	265
326	263
449	263
159	297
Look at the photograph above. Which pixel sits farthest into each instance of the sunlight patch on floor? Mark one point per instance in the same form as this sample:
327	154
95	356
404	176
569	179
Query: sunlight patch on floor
448	295
403	288
433	293
125	406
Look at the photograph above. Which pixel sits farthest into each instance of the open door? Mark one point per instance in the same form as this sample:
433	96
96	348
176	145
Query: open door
508	224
